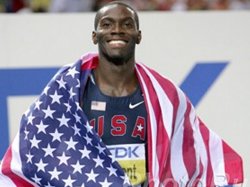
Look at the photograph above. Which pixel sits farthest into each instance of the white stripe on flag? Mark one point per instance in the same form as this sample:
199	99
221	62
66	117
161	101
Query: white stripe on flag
155	162
200	151
5	181
165	104
178	167
201	148
217	159
16	164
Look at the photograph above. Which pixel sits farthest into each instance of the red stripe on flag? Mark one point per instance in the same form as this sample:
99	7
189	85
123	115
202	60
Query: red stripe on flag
91	63
205	135
188	150
6	170
149	136
171	92
166	174
232	166
197	182
162	140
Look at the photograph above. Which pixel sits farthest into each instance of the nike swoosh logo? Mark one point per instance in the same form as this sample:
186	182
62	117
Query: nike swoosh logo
132	106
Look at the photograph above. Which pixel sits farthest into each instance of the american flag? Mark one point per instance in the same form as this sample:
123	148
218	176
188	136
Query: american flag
57	147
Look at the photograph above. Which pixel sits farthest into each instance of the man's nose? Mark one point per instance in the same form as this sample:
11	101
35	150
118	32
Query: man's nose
117	28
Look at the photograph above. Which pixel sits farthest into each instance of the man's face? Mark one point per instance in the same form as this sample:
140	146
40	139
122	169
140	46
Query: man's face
116	33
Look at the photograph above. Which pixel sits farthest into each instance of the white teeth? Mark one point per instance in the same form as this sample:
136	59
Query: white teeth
117	42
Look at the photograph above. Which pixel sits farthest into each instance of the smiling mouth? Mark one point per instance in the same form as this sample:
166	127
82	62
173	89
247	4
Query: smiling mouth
117	43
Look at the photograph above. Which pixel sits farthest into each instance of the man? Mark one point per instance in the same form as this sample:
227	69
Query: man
145	131
113	99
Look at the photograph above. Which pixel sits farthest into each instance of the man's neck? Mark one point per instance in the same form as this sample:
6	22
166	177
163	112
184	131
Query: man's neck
116	80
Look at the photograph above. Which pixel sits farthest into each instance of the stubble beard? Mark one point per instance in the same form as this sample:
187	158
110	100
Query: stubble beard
118	59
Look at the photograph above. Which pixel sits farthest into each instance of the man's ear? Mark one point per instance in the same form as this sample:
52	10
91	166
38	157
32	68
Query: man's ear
138	41
94	38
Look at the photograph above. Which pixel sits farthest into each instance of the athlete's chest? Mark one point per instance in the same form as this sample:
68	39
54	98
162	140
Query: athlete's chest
117	120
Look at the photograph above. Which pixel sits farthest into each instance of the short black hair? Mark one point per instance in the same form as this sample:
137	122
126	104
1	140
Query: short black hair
97	16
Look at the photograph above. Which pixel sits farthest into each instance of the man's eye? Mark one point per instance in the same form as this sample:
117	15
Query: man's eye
129	24
105	25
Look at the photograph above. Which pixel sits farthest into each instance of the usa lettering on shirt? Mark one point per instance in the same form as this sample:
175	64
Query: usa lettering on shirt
121	124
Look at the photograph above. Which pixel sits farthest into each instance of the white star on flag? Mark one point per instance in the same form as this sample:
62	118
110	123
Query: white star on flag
72	72
37	104
105	183
63	121
30	118
41	127
98	161
61	83
88	139
68	107
112	170
49	151
48	112
77	167
77	118
71	93
55	174
92	175
34	142
100	148
46	89
63	159
85	152
56	98
41	165
71	144
37	179
76	130
56	136
29	157
69	181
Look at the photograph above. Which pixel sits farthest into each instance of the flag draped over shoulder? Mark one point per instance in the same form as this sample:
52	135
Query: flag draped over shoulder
182	151
56	146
